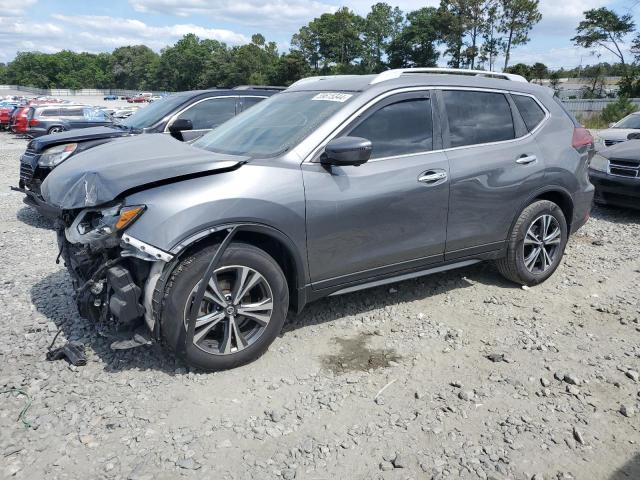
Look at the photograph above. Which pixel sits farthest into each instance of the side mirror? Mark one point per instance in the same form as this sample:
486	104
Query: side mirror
346	151
180	125
634	136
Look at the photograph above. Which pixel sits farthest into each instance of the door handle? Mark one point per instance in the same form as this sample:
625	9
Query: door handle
432	176
526	159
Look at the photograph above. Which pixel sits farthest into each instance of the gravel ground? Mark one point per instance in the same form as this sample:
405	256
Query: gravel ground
457	375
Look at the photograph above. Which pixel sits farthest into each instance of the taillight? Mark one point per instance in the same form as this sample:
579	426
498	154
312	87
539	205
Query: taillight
33	123
581	137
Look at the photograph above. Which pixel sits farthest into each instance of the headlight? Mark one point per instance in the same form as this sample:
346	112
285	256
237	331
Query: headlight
98	224
600	163
54	156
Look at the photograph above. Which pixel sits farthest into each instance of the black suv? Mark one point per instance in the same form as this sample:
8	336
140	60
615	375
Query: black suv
186	116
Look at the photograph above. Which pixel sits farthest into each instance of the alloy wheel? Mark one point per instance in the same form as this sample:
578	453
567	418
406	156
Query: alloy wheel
542	244
235	310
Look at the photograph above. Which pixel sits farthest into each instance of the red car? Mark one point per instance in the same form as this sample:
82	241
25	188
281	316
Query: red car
138	99
19	122
5	117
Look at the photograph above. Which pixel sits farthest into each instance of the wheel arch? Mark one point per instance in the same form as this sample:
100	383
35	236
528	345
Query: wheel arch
277	244
553	193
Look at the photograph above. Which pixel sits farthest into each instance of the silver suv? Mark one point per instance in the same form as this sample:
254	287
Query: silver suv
335	185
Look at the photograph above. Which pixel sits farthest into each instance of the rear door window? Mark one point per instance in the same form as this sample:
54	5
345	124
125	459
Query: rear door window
210	113
400	128
248	102
477	117
71	112
50	112
531	112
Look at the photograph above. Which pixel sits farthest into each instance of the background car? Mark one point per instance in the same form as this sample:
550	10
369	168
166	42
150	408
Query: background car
120	113
615	172
43	120
618	132
18	122
137	99
110	97
184	116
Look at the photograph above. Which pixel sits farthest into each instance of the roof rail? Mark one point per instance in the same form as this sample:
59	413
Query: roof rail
258	87
398	72
319	78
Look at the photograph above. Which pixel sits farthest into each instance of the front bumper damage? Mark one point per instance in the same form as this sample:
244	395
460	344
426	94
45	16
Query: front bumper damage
114	282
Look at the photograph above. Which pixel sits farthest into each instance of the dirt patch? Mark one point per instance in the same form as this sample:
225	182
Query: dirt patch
356	356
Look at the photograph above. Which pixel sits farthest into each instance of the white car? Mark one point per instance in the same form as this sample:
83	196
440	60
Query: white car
618	132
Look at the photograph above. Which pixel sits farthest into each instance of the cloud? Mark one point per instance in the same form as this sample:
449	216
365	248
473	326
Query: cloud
96	34
290	14
15	8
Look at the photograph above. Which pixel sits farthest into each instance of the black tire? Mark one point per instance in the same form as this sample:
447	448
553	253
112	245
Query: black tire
178	292
512	266
55	130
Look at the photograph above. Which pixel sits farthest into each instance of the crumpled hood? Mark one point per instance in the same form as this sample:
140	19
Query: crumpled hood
78	135
101	174
629	150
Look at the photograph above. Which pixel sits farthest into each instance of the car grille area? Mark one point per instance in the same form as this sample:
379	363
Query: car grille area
624	168
26	172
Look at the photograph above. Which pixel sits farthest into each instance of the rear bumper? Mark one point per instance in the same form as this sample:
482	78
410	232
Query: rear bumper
615	190
582	202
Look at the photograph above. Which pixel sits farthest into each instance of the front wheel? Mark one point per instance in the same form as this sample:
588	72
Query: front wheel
55	130
536	244
243	310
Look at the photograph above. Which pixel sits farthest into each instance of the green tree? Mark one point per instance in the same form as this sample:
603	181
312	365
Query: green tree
554	81
539	71
381	25
307	42
492	43
604	28
340	39
290	67
134	67
520	69
253	63
517	19
415	46
453	26
617	110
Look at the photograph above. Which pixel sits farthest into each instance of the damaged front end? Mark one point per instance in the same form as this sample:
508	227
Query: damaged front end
110	270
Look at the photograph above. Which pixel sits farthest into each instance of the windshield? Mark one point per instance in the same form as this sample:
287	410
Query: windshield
275	125
150	115
632	121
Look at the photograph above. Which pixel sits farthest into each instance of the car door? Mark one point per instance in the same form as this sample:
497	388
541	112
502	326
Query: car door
388	214
207	114
495	165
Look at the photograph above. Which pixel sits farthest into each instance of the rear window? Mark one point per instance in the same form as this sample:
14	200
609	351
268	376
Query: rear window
71	112
49	112
478	117
531	112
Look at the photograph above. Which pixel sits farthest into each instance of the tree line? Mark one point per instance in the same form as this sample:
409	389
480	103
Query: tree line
470	33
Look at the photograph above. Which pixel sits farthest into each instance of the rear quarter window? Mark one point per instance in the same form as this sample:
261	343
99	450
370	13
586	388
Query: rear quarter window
477	117
530	111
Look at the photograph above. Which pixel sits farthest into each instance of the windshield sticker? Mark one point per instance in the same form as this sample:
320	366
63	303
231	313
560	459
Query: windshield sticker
333	97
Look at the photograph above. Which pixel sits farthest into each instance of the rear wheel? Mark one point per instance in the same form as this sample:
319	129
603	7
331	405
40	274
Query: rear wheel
536	244
245	305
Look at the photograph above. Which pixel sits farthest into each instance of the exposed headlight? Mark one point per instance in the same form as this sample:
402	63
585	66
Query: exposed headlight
98	224
600	163
54	156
